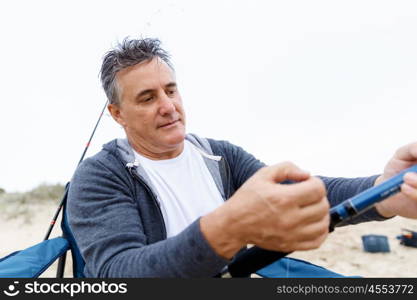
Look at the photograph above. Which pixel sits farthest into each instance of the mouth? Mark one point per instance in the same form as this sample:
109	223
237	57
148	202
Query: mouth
169	124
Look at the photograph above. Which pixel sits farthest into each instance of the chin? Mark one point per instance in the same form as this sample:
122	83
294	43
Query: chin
175	138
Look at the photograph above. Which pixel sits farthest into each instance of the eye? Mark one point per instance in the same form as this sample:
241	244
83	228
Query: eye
147	99
171	92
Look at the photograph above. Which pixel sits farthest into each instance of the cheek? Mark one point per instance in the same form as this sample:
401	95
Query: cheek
179	107
136	118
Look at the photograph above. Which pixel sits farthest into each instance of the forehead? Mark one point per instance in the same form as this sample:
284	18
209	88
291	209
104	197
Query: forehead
145	75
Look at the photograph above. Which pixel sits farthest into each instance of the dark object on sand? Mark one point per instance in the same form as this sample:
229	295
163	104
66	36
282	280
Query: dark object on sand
375	243
408	238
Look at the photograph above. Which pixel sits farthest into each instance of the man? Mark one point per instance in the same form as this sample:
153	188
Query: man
154	204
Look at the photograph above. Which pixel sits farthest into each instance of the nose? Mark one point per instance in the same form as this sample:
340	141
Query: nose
166	105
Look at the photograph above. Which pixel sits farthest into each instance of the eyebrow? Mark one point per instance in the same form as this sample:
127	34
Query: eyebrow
171	84
147	91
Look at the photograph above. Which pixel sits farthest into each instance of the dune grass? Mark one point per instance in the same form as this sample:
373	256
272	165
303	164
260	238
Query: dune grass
13	205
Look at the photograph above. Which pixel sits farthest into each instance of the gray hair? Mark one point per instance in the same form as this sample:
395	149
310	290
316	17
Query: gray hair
128	53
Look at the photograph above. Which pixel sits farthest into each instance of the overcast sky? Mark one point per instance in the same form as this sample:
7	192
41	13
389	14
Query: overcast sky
329	85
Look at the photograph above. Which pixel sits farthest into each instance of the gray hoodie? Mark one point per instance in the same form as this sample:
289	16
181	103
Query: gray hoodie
116	220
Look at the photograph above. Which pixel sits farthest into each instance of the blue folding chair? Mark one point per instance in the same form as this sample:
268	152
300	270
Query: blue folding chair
287	267
33	261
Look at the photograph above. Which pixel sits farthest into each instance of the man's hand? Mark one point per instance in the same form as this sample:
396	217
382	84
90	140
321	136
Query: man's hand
404	203
273	216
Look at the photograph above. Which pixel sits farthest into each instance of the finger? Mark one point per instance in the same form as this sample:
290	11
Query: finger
314	212
285	171
306	192
312	230
410	179
409	191
312	244
407	152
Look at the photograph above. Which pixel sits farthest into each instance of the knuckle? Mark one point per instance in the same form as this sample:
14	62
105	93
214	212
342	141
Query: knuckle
286	225
271	195
326	204
325	230
283	225
401	149
324	237
287	165
325	227
324	224
319	241
318	187
327	222
281	200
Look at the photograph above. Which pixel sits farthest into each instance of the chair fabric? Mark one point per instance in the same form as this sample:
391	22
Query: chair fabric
33	261
296	268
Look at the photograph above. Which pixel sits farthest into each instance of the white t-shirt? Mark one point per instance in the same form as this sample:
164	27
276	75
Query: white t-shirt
184	186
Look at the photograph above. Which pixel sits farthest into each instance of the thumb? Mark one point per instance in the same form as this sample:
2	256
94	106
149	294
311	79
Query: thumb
407	153
286	171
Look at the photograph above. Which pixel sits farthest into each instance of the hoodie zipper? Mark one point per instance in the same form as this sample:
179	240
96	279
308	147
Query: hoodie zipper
154	200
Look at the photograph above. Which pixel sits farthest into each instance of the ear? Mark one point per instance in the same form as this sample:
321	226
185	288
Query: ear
115	112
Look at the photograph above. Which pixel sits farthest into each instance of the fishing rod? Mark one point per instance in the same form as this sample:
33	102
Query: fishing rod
256	258
62	258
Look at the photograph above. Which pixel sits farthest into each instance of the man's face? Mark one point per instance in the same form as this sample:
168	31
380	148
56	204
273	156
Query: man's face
150	108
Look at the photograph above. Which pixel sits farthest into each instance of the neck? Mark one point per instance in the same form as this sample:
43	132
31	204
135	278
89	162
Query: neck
157	154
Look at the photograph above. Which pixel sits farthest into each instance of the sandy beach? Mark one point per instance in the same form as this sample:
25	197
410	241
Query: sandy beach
342	252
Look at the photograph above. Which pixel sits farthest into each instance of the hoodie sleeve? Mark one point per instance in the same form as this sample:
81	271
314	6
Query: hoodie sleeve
243	165
340	189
